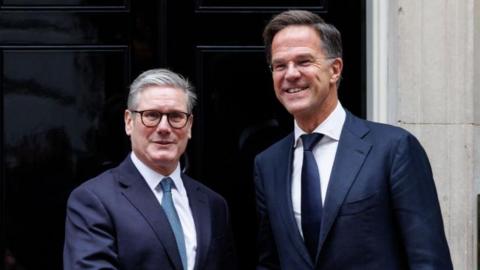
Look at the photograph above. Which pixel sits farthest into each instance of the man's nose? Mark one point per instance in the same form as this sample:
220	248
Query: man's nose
292	71
163	124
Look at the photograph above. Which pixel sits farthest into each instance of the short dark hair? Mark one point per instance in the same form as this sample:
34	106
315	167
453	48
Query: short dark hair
329	34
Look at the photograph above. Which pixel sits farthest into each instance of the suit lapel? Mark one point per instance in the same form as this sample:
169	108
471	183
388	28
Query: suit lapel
351	153
282	171
136	190
202	218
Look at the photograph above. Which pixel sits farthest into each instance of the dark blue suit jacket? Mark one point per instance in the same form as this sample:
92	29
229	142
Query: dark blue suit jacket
381	210
114	221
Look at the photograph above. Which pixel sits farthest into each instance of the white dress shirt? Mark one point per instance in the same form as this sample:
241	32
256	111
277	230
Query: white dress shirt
180	200
324	153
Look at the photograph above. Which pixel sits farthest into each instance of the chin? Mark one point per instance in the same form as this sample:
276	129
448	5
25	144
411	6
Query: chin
164	162
295	104
295	109
163	157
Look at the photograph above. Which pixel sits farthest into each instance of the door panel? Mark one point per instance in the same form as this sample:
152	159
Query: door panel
55	107
63	28
63	3
262	4
64	72
238	115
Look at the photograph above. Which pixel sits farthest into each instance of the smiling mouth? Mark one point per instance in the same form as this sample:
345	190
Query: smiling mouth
295	90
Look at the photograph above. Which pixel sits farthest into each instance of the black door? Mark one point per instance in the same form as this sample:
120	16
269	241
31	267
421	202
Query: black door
65	70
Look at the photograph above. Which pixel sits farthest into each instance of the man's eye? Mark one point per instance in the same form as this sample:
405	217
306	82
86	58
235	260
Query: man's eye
305	63
176	117
151	114
279	67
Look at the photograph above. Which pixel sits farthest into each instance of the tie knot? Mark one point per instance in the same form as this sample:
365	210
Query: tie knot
166	184
310	140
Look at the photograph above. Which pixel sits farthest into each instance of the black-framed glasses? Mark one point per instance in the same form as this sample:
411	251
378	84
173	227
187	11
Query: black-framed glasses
151	118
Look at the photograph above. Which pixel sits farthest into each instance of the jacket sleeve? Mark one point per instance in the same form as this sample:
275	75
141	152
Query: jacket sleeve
89	234
267	252
416	207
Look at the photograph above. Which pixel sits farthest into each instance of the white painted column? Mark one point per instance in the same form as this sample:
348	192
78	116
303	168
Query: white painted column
476	124
377	60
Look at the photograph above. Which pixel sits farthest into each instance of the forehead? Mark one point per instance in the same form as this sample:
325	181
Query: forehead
297	39
158	97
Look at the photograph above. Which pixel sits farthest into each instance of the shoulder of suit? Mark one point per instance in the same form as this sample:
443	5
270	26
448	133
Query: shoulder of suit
108	179
201	187
104	180
278	147
376	129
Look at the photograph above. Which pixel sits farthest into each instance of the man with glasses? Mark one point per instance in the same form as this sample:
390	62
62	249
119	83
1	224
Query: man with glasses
146	214
339	192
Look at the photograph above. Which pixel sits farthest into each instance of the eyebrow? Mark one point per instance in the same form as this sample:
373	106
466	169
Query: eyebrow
300	56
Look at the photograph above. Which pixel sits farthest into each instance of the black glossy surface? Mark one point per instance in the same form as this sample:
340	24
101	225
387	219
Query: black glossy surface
64	2
238	114
63	28
59	111
262	3
239	117
64	75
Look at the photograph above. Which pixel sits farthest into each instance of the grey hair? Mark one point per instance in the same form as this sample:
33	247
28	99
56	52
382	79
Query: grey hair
160	77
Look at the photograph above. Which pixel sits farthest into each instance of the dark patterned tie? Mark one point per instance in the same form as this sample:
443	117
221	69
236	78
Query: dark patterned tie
169	208
311	195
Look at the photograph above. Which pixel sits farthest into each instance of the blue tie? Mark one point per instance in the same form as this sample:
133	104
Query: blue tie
169	208
311	195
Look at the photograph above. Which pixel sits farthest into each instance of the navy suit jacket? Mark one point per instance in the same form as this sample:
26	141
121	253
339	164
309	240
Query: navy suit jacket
114	221
381	210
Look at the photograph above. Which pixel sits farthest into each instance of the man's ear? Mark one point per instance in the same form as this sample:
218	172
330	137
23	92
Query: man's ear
336	70
190	126
128	118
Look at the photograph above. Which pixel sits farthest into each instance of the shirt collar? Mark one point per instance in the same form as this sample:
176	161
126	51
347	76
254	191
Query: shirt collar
330	127
153	178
